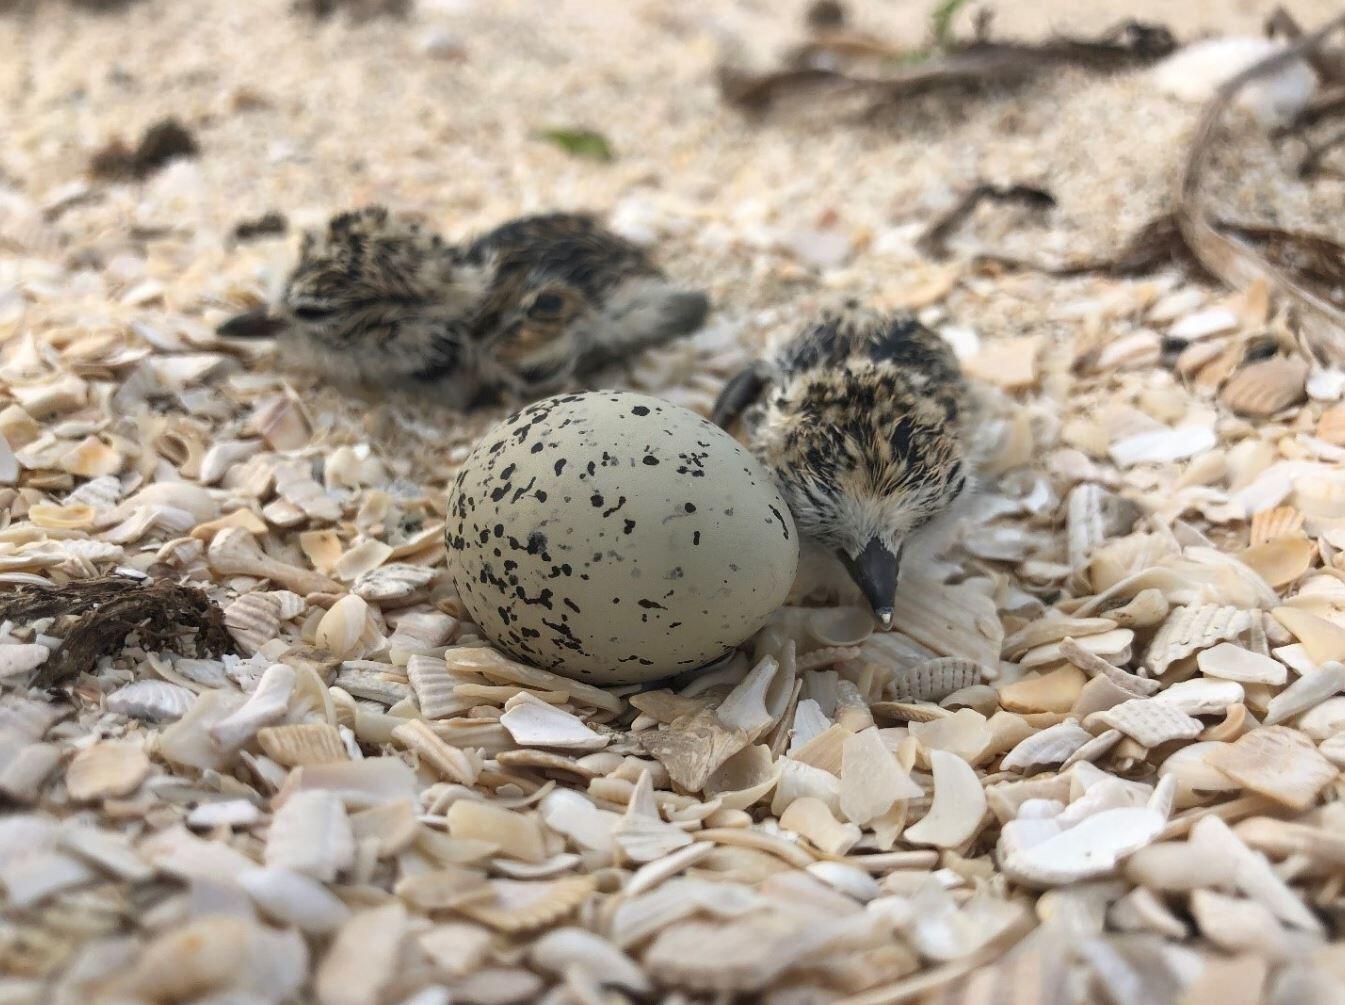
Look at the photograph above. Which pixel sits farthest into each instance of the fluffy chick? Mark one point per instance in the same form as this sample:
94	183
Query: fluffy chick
520	311
862	419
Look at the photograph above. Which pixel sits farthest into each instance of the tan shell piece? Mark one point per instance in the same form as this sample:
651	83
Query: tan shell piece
1144	610
1267	386
1052	745
1322	639
1275	523
1114	643
233	551
302	743
310	833
810	818
1307	692
434	688
253	620
1150	722
1281	561
524	906
515	834
1096	666
1044	631
1056	691
1190	629
871	778
105	770
450	762
1277	762
959	804
1232	662
1331	426
693	748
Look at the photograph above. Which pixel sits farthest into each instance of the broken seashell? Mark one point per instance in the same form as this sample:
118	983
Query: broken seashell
754	705
1114	644
1150	721
481	660
1233	662
1190	629
522	906
253	620
19	658
1281	561
151	699
1323	640
1308	691
362	960
1162	446
871	778
1272	524
450	762
395	582
1277	762
1056	691
935	679
566	949
1045	631
266	705
1090	849
515	834
641	833
958	806
1052	745
294	900
342	627
310	834
235	552
1201	696
302	743
693	748
534	723
1266	386
812	820
106	770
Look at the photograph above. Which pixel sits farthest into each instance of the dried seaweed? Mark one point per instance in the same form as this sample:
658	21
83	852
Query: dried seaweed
960	66
165	141
934	241
266	225
94	616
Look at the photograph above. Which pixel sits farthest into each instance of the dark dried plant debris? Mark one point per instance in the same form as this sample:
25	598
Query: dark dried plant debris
266	225
94	616
824	15
163	142
358	10
934	241
960	65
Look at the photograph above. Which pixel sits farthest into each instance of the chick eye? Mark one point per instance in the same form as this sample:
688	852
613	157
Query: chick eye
546	306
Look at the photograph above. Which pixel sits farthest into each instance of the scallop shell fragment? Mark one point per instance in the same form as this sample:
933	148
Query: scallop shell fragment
514	906
1278	522
105	770
395	582
1190	629
1150	721
302	743
1267	386
935	679
1052	745
1277	762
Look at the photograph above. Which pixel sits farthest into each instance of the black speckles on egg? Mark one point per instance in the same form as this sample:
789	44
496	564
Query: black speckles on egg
593	561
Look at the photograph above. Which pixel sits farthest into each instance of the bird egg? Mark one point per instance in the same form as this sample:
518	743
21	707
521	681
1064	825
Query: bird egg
616	538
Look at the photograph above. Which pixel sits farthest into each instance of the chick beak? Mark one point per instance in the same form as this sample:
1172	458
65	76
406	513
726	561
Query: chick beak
875	570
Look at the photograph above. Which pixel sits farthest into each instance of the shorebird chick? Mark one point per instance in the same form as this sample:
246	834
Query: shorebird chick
862	419
520	312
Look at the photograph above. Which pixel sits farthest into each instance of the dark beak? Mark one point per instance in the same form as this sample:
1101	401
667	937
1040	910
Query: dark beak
875	570
254	324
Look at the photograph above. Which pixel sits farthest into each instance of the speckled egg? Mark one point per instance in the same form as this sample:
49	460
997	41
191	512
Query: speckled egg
615	538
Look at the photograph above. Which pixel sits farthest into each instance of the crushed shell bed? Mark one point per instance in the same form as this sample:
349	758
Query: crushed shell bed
1097	760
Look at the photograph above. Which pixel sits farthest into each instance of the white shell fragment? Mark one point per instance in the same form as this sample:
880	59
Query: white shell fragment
534	723
959	804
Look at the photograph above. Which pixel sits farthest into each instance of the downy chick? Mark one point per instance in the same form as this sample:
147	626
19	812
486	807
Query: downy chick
862	419
520	311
